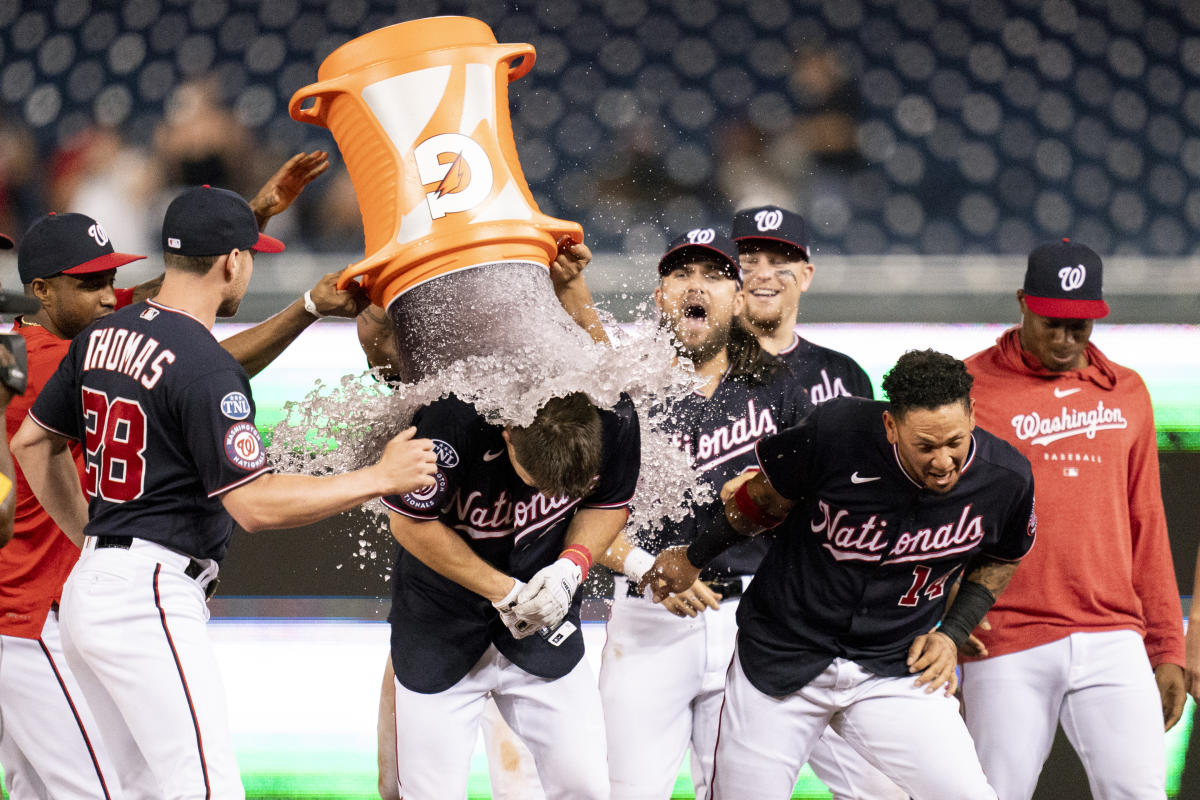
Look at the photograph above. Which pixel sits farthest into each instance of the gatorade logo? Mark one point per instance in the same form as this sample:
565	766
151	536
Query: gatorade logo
459	167
98	233
1072	277
701	236
768	220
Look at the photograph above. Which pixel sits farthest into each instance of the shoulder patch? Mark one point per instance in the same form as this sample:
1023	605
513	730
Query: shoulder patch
446	455
427	498
235	405
244	448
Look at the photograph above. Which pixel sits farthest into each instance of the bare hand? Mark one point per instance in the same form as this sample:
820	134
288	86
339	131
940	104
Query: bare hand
936	658
692	601
571	260
281	190
1169	678
334	302
671	573
974	646
408	464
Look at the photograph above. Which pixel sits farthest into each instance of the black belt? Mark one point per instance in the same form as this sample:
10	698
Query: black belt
193	570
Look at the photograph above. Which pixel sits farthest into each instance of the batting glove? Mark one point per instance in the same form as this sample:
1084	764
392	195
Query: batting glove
515	625
546	599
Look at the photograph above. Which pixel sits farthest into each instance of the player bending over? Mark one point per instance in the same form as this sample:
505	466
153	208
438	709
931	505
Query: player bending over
878	506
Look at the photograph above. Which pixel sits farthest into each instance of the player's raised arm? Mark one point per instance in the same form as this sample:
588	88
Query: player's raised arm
282	188
572	290
289	501
749	506
46	460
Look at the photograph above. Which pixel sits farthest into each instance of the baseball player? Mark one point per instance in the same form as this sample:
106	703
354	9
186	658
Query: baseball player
882	505
48	744
492	555
511	767
1090	632
773	248
667	662
172	458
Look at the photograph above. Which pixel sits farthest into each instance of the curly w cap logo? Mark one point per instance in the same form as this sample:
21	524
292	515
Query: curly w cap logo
768	219
701	236
1072	277
98	233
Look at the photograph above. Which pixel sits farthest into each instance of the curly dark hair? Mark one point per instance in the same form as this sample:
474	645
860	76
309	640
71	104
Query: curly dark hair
927	379
562	448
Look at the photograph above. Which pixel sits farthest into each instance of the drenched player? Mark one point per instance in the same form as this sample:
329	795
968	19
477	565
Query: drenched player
172	459
485	589
511	767
667	663
773	253
1090	632
773	247
882	506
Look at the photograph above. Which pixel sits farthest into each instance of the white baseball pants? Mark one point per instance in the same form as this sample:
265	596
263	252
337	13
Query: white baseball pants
50	744
916	739
662	682
134	633
1099	685
559	720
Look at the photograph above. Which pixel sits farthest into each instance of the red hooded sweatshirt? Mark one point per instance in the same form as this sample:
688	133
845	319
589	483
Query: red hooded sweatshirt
1102	560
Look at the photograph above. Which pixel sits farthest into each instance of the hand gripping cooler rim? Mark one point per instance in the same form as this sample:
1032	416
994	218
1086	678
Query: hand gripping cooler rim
390	267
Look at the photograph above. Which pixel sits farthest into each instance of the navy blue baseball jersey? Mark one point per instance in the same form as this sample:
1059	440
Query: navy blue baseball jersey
167	422
439	628
719	434
861	565
825	373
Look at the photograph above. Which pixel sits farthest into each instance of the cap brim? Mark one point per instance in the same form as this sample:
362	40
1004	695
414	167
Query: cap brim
1063	308
267	244
5	242
104	262
760	237
667	262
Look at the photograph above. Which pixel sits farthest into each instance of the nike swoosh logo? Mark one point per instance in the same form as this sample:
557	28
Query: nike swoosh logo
1065	392
856	478
492	456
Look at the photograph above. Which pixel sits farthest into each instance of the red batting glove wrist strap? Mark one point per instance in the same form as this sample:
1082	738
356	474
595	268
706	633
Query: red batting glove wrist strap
580	556
751	511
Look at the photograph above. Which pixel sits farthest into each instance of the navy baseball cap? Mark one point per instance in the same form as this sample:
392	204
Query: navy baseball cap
70	244
702	243
1063	281
206	221
773	224
5	242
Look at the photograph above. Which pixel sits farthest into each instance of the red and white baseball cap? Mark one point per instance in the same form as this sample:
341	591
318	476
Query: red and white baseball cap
1063	281
67	244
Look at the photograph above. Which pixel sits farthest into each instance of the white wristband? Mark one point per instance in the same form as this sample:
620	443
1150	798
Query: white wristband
310	306
637	563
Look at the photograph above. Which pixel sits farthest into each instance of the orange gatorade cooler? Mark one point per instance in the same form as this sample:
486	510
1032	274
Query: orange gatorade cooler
420	113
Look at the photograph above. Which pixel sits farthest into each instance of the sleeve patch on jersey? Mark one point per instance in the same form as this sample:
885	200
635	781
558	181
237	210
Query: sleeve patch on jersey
235	405
447	456
427	498
243	447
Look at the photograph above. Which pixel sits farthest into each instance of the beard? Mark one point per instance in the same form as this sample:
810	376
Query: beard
703	352
766	322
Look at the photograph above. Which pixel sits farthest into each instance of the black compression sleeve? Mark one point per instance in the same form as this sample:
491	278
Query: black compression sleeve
970	604
714	534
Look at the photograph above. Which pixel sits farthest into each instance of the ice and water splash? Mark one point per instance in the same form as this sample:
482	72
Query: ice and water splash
496	337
